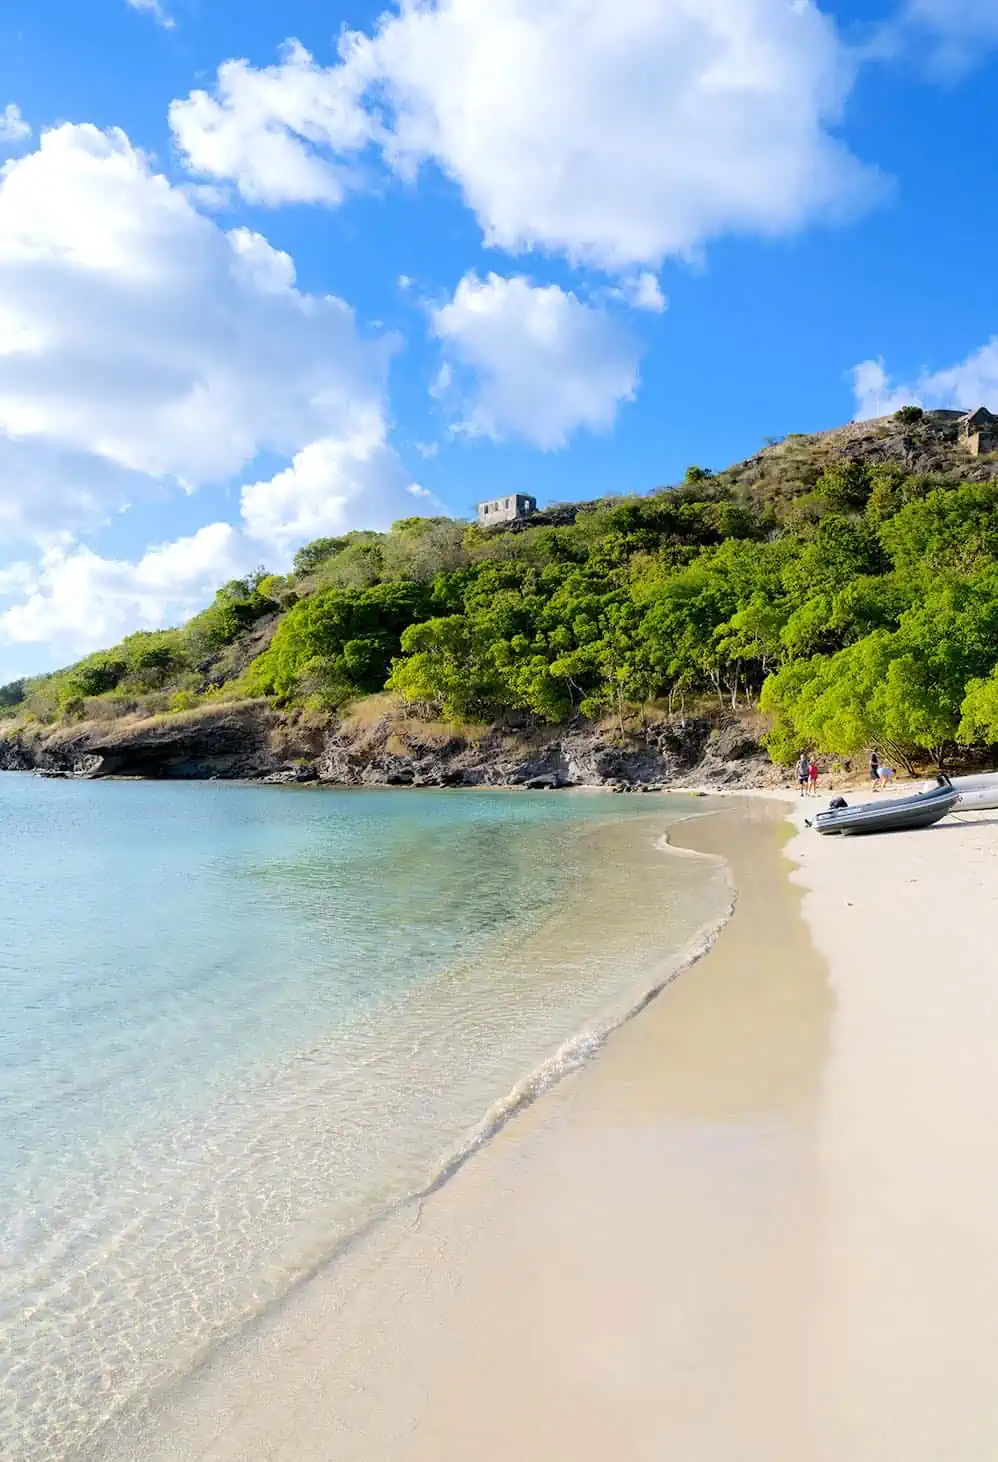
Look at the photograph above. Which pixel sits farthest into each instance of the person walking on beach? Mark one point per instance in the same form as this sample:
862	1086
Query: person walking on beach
875	770
812	777
802	773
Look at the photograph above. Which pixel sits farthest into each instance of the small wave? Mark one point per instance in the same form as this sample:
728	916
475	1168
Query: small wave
573	1054
580	1048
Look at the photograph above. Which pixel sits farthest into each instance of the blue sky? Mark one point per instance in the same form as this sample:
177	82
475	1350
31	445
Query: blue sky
270	271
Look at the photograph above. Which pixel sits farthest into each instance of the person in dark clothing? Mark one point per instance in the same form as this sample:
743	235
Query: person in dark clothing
875	770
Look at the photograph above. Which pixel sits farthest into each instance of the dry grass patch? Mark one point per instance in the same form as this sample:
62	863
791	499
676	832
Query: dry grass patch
372	710
374	715
139	720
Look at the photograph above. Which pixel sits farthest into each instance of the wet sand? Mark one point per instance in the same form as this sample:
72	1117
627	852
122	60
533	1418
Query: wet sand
760	1224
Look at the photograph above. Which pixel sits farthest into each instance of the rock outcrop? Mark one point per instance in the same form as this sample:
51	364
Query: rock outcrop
250	741
230	741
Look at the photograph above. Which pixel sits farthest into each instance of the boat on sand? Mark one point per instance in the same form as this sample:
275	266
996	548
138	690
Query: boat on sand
891	815
977	793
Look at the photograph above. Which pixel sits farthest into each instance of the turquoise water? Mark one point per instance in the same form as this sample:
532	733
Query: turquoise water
239	1023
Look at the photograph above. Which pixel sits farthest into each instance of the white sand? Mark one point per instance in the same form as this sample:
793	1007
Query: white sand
907	1347
761	1227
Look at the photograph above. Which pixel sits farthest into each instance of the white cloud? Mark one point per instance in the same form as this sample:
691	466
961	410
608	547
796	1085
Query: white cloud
210	197
13	127
78	601
875	393
145	350
74	600
614	134
541	363
642	292
950	35
328	485
16	579
970	383
264	127
156	10
141	345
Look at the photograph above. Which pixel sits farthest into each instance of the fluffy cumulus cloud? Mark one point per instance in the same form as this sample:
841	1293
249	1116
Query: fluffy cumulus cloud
78	601
135	333
13	127
530	361
875	393
970	383
325	485
642	292
273	131
144	350
614	134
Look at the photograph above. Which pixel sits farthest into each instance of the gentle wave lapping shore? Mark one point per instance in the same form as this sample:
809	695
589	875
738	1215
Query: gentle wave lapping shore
759	1224
332	1002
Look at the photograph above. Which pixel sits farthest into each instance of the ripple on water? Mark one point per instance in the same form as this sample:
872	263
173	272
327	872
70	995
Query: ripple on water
266	1021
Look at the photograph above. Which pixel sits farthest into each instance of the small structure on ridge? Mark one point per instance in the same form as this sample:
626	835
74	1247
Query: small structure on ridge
979	431
509	509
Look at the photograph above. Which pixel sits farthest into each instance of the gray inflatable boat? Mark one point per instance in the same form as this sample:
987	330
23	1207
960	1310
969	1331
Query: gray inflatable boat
892	815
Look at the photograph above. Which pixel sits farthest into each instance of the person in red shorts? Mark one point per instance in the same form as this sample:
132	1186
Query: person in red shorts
812	777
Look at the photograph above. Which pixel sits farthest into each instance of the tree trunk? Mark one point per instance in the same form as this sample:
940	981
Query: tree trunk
898	753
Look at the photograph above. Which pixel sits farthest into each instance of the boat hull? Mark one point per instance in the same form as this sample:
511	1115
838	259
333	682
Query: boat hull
896	815
978	793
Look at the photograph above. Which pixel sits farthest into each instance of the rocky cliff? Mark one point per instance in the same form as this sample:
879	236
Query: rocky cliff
249	741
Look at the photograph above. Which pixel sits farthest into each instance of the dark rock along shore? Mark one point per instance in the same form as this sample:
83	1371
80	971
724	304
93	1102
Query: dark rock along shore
251	742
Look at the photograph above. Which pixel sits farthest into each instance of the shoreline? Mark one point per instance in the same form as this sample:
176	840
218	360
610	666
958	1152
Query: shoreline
628	858
380	1260
757	1223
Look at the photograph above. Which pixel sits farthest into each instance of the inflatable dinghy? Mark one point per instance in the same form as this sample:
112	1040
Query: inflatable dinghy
892	814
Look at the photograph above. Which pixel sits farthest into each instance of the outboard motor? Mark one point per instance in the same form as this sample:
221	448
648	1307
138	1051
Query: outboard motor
837	804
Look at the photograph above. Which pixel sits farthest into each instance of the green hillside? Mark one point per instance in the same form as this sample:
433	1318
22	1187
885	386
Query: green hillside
847	583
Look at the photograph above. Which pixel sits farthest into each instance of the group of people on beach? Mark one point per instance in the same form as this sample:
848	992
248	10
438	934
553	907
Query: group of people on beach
879	774
808	773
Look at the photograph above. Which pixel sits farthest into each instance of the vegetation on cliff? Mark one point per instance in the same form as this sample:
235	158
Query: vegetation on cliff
848	591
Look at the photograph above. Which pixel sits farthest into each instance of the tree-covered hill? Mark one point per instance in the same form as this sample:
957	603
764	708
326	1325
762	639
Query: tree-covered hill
846	584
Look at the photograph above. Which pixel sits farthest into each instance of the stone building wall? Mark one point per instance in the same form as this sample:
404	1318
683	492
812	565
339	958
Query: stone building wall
506	509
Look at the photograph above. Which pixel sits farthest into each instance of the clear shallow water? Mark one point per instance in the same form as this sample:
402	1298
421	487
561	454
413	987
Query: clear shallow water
238	1023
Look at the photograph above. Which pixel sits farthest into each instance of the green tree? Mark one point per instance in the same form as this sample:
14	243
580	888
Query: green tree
309	558
12	694
952	530
337	643
905	690
979	712
96	675
441	666
236	608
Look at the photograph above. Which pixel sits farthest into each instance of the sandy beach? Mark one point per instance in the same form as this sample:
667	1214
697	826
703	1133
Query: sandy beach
761	1223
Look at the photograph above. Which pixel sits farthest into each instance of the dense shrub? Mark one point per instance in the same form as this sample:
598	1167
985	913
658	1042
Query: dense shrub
862	606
